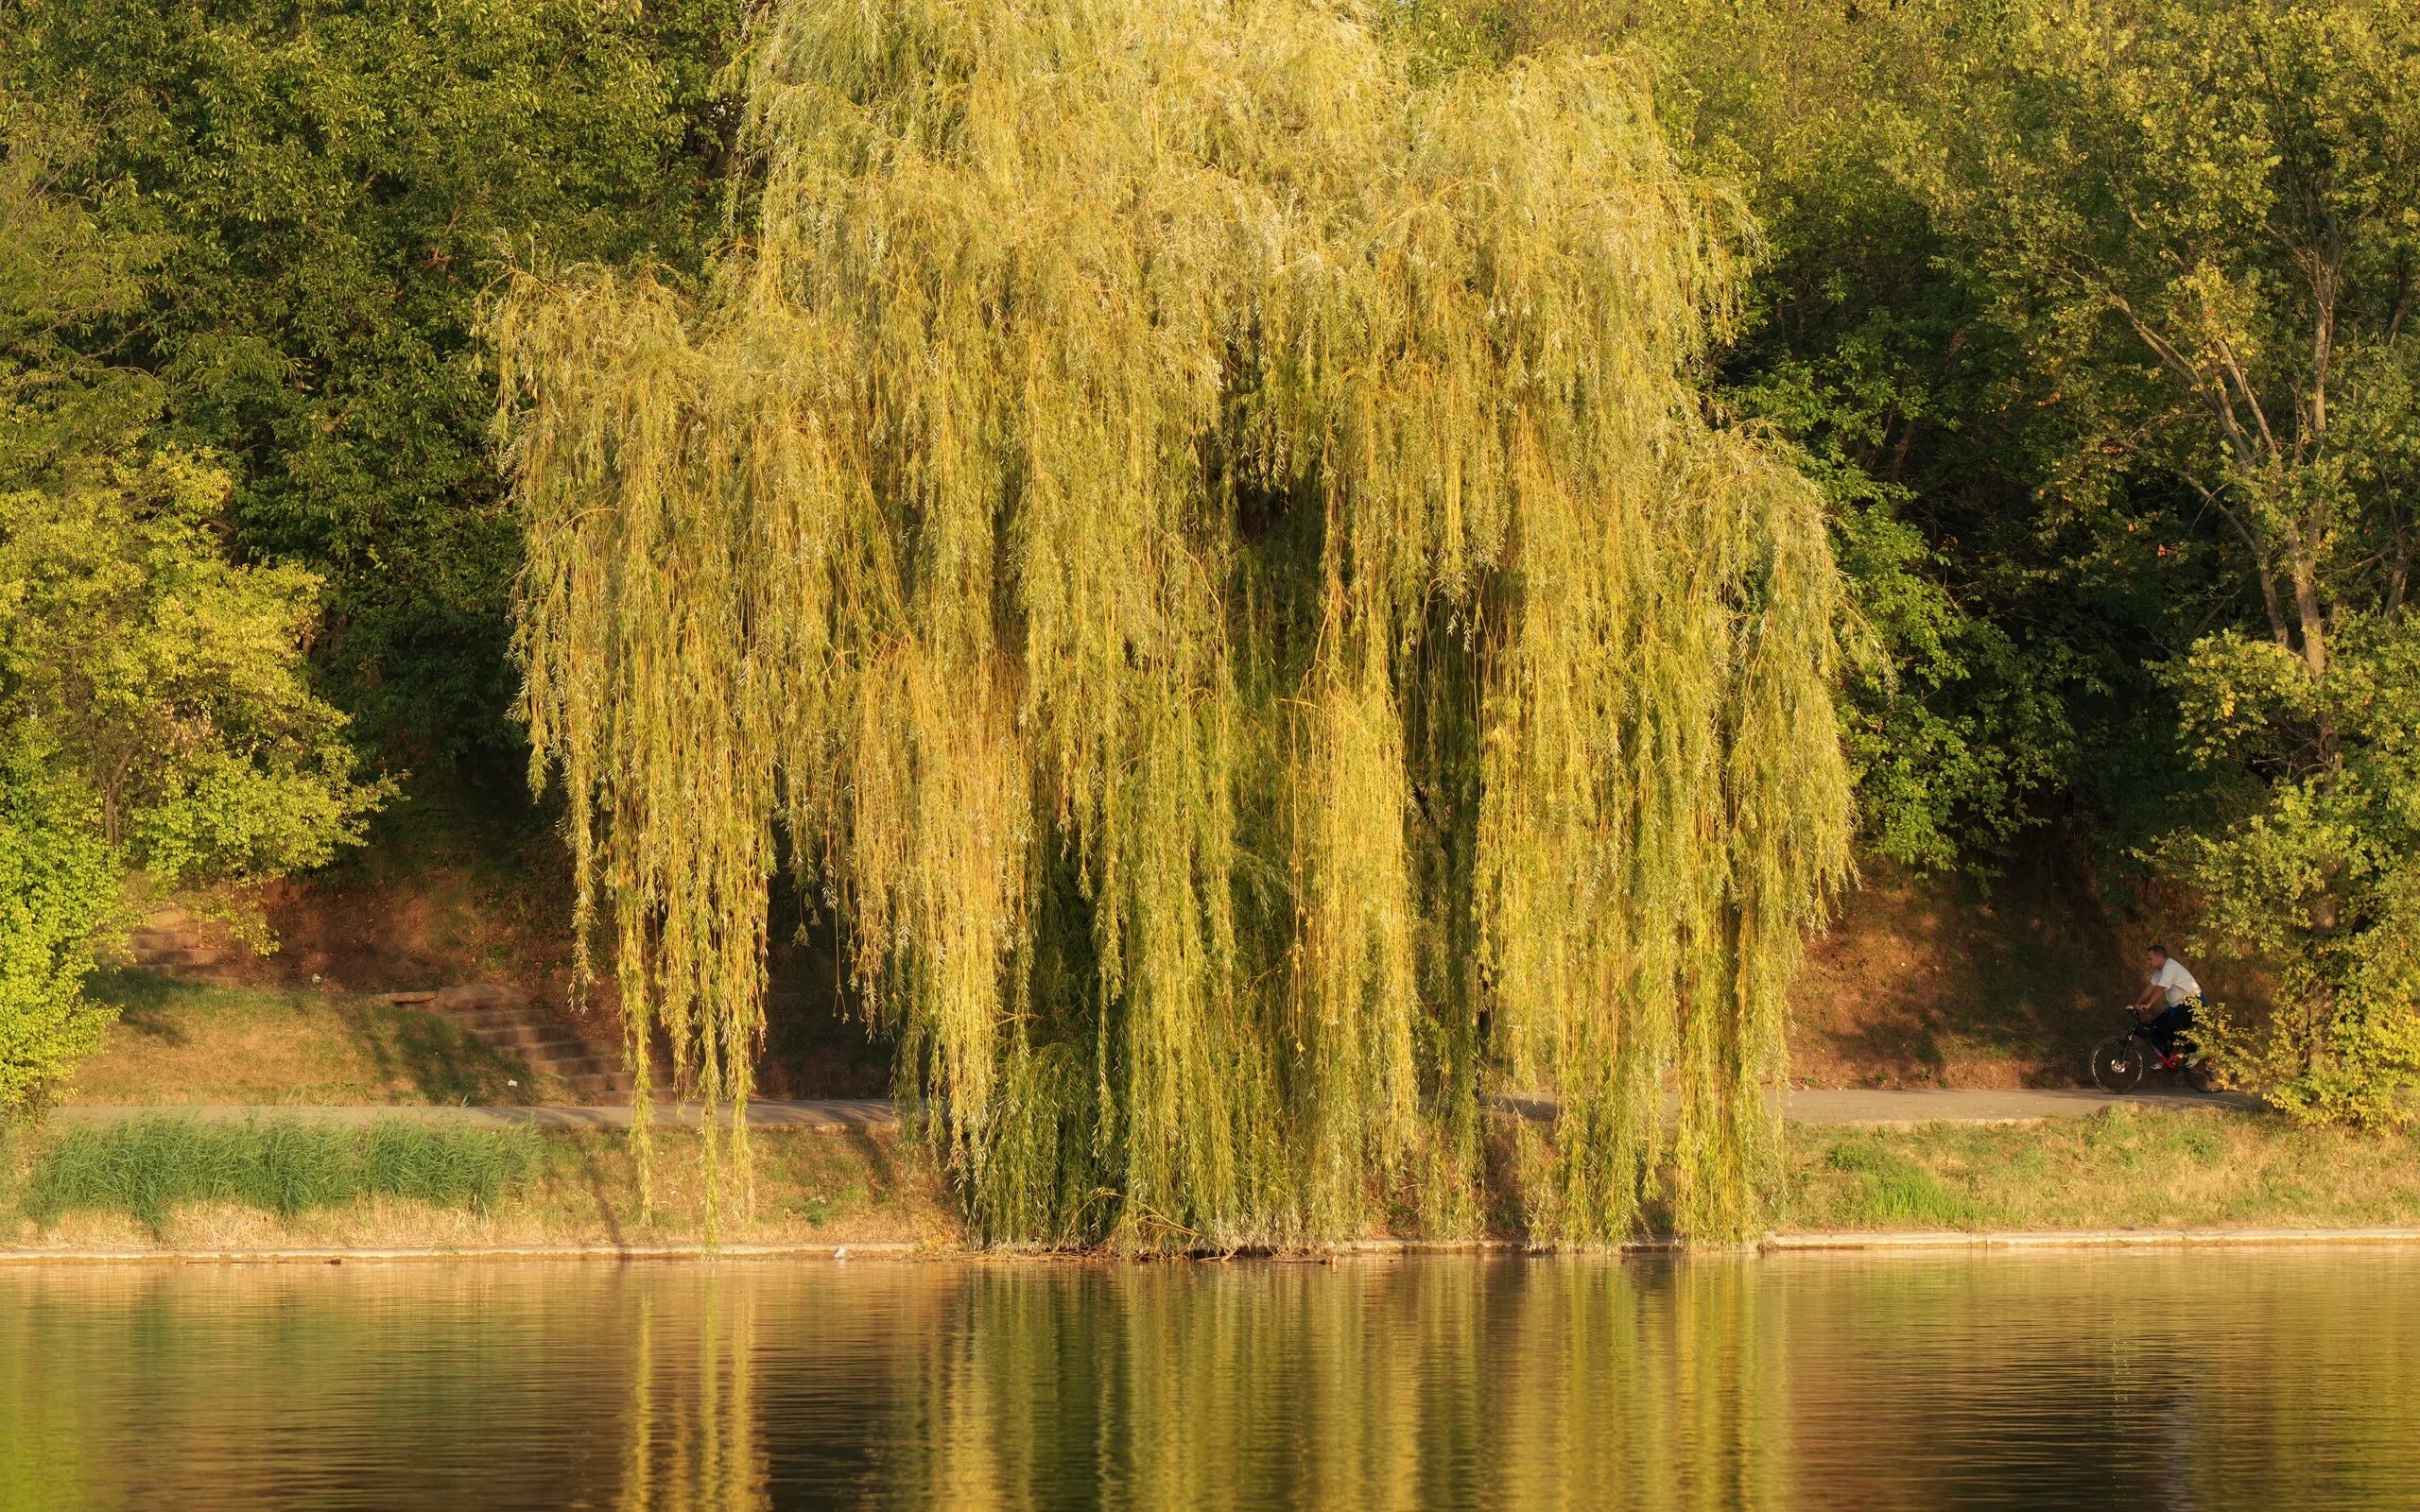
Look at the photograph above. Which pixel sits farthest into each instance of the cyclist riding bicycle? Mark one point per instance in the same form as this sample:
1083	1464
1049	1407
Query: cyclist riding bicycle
2173	991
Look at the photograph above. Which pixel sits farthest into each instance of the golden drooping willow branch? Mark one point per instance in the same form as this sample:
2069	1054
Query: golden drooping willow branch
1205	553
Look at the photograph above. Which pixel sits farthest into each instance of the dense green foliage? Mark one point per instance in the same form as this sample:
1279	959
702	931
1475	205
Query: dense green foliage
168	681
1210	551
1866	342
155	716
2095	318
59	884
325	189
2204	220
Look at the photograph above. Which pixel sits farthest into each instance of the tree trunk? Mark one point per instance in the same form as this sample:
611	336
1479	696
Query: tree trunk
2274	603
2399	576
2307	608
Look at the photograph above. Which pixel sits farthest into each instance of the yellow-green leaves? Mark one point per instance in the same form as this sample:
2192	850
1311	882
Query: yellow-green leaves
1184	530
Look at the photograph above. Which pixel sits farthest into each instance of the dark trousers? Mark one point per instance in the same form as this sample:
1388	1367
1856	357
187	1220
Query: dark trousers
2164	1029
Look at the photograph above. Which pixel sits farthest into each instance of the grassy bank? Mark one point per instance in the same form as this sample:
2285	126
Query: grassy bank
175	1184
189	1043
179	1184
2130	1167
148	1168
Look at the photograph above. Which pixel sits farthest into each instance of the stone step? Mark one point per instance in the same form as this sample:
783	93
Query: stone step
537	1040
521	1034
487	1010
506	1019
140	940
600	1090
580	1066
499	1023
543	1024
543	1044
556	1056
183	956
469	995
540	1044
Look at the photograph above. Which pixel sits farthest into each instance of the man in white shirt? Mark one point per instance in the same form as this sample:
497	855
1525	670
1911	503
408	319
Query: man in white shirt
2173	991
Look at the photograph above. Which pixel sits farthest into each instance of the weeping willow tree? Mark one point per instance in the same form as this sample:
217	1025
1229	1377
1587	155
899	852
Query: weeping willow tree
1202	548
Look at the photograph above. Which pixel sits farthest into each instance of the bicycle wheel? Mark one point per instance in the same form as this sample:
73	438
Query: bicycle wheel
2117	1064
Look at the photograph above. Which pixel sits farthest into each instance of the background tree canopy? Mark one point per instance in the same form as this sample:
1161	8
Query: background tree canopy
2111	304
155	716
327	187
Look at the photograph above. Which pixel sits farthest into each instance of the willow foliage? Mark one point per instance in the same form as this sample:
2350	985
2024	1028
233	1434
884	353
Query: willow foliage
1204	550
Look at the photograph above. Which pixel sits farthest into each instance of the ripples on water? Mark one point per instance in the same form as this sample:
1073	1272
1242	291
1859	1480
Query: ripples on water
2269	1381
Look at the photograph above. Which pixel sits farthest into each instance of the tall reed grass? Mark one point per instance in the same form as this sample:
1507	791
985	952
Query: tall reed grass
146	1166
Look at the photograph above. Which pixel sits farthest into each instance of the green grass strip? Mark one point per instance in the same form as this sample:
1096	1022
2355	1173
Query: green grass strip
1891	1191
145	1167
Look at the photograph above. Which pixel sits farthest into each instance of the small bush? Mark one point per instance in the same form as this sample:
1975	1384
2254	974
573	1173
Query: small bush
58	883
1892	1189
145	1167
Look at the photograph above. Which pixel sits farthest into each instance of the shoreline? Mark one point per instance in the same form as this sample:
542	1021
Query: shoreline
2145	1177
1865	1243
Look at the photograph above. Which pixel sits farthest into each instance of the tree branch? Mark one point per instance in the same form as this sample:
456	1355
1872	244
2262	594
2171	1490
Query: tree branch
2270	598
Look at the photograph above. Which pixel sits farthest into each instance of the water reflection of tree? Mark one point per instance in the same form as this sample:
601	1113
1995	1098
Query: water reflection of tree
692	1432
1366	1384
2227	1381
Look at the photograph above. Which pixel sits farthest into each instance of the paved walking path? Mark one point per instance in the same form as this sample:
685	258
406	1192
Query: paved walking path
1802	1105
1886	1107
2010	1106
816	1113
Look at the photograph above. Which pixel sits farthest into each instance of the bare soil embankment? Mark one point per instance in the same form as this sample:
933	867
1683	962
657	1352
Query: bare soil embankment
1921	982
1949	982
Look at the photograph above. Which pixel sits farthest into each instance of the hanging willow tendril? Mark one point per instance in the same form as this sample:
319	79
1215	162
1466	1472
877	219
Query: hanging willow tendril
1205	551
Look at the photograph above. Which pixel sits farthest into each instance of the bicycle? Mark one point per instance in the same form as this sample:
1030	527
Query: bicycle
2120	1061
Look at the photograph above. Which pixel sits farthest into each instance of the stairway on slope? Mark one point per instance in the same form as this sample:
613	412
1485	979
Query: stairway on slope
509	1021
175	944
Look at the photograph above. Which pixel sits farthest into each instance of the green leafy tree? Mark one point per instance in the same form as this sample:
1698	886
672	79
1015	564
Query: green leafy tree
327	187
61	885
2315	869
2202	217
168	681
155	718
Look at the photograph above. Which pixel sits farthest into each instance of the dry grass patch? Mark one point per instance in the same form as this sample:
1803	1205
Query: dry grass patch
2125	1168
183	1043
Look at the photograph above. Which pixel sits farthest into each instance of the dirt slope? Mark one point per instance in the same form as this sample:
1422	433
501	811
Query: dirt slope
1920	982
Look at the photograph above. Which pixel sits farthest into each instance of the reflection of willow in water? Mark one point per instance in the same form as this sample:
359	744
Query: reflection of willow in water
1390	1386
2235	1382
691	1437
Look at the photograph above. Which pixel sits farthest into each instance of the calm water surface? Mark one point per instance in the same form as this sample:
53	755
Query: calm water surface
2269	1381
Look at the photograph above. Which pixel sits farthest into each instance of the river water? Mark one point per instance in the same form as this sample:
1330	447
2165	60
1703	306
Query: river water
2265	1380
